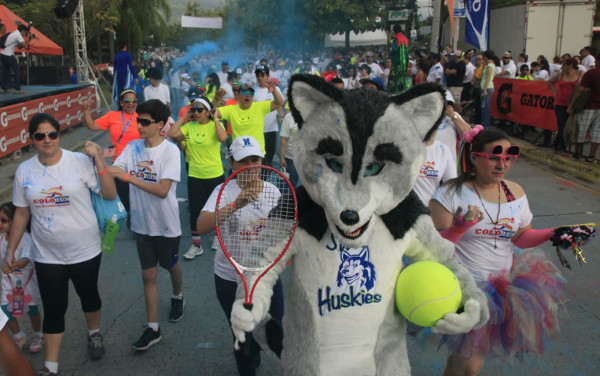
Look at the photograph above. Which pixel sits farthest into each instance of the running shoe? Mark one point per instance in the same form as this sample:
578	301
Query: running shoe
193	252
147	340
95	346
20	341
177	306
45	372
37	342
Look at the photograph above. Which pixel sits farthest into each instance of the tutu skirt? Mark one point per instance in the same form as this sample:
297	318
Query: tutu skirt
523	308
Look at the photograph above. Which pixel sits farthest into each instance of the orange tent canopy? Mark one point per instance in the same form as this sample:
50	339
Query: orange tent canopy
40	45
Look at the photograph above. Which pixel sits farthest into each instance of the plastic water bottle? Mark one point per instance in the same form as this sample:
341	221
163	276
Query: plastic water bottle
112	229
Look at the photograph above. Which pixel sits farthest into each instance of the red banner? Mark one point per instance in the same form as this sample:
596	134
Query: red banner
65	107
524	102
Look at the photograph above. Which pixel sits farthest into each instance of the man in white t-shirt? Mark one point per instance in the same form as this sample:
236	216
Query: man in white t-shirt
376	70
289	128
156	89
261	93
465	96
588	61
248	77
224	72
18	38
508	66
436	72
151	166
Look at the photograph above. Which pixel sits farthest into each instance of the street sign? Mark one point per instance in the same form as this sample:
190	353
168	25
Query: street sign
413	34
398	15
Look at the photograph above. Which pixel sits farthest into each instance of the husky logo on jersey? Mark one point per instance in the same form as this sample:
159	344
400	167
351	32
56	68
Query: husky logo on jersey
429	171
356	270
54	197
143	170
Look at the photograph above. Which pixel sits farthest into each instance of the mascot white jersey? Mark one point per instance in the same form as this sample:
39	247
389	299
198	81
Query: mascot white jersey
358	155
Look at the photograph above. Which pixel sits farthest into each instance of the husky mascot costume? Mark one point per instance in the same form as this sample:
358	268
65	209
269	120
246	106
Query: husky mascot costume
358	154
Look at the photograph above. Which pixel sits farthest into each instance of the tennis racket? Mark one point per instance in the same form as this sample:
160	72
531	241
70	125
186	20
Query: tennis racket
256	214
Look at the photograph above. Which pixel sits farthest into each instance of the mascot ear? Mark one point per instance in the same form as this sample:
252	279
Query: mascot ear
423	103
306	92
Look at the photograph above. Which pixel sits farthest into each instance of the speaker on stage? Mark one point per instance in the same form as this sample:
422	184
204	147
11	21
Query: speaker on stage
65	8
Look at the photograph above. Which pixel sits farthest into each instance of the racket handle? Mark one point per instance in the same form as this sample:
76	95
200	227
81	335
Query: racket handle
246	346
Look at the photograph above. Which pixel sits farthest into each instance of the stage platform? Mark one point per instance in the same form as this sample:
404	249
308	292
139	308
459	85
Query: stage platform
36	91
61	101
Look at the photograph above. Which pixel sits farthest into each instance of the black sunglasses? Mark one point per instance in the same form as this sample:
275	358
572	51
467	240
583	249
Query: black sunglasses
197	109
40	136
145	122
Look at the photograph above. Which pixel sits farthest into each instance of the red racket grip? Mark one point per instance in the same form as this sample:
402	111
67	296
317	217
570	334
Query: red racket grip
246	346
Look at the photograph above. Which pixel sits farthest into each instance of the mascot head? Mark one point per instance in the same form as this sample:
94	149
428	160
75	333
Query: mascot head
359	152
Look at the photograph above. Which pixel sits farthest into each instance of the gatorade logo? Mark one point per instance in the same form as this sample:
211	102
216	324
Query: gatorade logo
55	104
3	147
3	119
24	113
503	101
41	107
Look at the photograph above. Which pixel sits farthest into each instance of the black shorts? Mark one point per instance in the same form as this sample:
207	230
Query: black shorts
153	250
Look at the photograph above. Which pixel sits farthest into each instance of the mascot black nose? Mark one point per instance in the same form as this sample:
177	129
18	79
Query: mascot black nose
349	217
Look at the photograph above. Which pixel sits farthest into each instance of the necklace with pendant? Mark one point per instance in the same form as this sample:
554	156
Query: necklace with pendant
488	214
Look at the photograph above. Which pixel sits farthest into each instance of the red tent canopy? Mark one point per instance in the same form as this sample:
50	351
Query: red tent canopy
40	45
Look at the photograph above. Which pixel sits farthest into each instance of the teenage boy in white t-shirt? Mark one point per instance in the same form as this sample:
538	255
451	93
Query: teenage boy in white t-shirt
438	168
151	166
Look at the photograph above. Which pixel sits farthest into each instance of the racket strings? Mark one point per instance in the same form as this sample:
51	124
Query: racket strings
257	234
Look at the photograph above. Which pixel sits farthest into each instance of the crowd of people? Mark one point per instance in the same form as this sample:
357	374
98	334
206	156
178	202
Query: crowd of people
190	106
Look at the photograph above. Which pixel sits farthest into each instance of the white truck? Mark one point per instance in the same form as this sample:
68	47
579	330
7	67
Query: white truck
542	27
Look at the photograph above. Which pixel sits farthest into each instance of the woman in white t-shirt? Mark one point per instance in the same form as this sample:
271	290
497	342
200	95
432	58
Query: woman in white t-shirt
53	189
526	284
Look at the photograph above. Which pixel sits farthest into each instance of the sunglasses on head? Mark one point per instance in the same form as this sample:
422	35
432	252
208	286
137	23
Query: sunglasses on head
129	100
249	93
197	109
145	122
4	220
40	136
496	156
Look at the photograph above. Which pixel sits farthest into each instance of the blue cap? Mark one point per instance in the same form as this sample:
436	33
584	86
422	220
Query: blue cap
378	81
225	62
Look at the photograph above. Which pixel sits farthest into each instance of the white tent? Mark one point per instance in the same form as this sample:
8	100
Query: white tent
377	37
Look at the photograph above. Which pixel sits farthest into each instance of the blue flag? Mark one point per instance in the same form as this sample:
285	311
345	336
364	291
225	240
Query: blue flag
478	16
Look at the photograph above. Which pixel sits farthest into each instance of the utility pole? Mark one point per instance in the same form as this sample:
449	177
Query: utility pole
435	26
81	62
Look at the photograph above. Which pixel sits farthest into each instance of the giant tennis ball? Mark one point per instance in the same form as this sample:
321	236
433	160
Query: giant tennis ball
426	291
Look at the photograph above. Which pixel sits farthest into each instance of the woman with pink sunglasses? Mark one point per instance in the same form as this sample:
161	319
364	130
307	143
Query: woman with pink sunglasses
524	289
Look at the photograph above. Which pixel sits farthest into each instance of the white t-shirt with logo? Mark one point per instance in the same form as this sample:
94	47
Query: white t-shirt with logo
150	214
446	134
20	276
64	228
11	43
250	218
260	95
161	93
438	168
476	247
436	72
588	62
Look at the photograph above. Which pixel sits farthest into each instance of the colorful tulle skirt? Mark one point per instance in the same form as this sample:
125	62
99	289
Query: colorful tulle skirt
523	304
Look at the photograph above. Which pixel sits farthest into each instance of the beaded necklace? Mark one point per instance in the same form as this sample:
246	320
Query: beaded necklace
488	214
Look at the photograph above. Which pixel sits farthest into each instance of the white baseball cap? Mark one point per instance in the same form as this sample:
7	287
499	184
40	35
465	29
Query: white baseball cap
244	146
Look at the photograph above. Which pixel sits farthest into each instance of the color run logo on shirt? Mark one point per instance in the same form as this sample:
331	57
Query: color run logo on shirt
143	170
54	197
503	229
428	171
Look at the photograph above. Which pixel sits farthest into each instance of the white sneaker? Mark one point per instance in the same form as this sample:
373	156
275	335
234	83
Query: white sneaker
215	244
193	252
20	341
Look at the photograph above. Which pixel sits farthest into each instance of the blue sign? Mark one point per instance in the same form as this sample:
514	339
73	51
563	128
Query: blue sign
477	29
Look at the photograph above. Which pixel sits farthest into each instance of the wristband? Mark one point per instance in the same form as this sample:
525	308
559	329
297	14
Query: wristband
232	206
126	178
103	172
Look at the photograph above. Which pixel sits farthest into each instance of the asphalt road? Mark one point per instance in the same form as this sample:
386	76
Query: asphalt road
200	344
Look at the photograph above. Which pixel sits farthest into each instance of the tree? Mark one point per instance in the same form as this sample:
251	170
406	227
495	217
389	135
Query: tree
140	19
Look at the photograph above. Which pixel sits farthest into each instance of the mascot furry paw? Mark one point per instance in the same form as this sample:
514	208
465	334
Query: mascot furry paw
358	155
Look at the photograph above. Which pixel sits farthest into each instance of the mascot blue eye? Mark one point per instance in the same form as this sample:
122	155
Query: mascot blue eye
335	165
373	168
